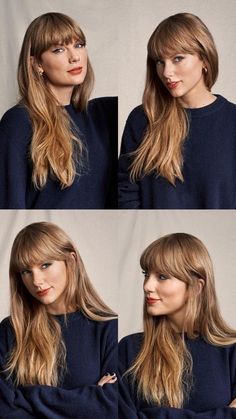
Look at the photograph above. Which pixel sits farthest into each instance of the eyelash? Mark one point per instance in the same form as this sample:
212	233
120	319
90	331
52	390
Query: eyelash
28	271
77	45
24	272
46	265
160	276
177	59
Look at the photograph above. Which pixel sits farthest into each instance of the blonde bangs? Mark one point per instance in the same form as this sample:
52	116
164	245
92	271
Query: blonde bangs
171	39
36	244
31	253
56	30
177	255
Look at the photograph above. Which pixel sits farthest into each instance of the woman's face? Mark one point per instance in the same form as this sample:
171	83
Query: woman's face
165	296
182	75
47	282
65	66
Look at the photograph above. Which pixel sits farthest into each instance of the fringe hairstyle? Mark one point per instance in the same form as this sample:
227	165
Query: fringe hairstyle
161	148
53	140
163	367
39	352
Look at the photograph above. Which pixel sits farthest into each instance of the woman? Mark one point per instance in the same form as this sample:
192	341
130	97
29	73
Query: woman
184	363
57	149
179	148
58	347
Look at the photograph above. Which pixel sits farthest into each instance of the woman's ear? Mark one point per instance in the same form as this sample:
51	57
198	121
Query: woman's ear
200	285
36	65
73	255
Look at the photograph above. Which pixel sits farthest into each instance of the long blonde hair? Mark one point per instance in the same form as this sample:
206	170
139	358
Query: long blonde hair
163	367
56	149
39	352
161	148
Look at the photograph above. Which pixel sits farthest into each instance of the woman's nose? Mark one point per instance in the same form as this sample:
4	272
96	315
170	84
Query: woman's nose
74	56
150	284
168	70
38	277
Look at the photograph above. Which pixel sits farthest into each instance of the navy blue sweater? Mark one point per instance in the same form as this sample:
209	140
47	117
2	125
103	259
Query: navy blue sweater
91	352
214	377
209	168
95	188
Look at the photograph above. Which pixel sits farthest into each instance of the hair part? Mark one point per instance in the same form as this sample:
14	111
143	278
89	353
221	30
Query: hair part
39	353
184	257
160	151
56	149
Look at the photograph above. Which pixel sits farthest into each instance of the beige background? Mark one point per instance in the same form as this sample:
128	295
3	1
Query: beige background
94	233
117	34
111	242
137	229
99	21
139	20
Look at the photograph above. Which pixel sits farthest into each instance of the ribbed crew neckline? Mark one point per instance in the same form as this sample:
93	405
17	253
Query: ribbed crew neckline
69	316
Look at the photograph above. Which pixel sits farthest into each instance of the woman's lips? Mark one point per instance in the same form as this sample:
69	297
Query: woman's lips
172	85
43	292
151	301
76	70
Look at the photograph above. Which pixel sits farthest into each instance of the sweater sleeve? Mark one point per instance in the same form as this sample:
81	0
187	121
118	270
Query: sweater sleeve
15	134
131	408
84	402
129	191
8	405
128	409
172	413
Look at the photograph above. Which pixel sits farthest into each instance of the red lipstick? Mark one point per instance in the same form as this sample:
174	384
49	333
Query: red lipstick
43	292
76	70
151	301
173	84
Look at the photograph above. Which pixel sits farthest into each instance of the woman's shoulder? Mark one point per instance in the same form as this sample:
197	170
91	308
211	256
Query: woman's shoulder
131	342
5	323
137	112
106	326
128	349
136	122
16	113
202	344
16	120
6	334
106	104
225	105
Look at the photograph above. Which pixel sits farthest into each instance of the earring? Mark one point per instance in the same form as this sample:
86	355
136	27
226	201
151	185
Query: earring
205	70
41	73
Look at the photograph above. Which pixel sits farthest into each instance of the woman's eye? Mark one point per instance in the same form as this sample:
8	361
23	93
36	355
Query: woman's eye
145	274
178	58
159	62
80	45
162	277
58	50
45	265
24	272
